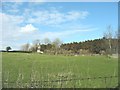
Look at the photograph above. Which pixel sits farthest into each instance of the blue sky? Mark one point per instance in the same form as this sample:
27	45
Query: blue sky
24	22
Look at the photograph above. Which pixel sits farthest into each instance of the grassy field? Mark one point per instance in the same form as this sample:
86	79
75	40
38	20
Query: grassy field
22	70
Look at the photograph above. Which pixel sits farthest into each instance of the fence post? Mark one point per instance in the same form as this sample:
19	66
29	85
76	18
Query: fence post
60	83
105	82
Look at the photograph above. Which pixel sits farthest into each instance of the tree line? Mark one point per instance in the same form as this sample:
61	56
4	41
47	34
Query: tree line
108	44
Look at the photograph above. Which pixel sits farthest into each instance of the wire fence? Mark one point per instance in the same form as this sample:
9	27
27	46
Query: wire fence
64	82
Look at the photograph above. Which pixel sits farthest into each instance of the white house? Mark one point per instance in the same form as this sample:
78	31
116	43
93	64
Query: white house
38	49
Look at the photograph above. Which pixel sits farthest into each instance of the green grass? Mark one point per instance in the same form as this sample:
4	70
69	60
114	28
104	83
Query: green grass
50	67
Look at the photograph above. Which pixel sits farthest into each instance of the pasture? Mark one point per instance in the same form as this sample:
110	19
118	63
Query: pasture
31	70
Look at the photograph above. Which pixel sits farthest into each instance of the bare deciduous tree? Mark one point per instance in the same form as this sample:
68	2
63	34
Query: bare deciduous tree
25	47
47	41
108	39
56	44
116	42
35	45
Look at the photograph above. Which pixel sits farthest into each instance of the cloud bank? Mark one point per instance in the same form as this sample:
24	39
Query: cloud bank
18	29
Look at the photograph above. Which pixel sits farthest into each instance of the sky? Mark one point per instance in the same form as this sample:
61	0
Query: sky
24	22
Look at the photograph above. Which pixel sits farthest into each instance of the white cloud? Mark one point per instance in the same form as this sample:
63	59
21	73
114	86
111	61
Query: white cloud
51	16
9	25
74	15
9	28
55	17
14	35
13	18
67	33
13	8
28	28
